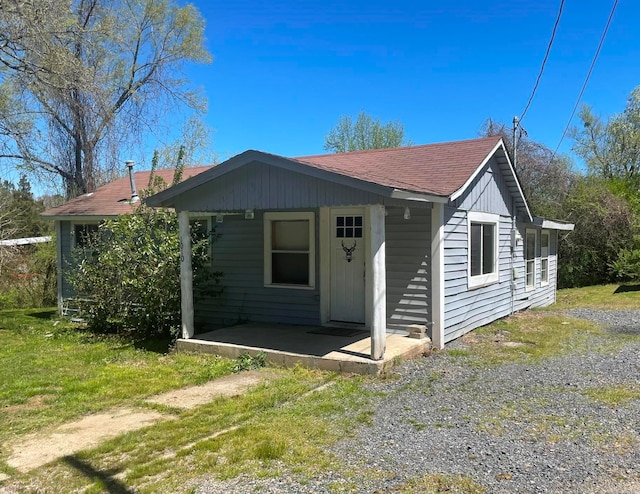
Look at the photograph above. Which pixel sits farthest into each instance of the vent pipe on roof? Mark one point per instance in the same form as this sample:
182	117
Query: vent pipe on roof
132	181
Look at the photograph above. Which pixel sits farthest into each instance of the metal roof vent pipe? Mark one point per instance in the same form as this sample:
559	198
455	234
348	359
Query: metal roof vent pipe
132	181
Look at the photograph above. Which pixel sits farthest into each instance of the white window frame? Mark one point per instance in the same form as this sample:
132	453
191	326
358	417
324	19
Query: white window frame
486	278
529	231
544	280
74	239
289	216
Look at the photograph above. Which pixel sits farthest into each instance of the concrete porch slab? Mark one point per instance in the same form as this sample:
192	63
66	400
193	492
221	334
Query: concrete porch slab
288	345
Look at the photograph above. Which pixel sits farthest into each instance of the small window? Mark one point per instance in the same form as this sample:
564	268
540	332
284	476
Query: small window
82	234
483	248
544	258
530	259
349	226
289	250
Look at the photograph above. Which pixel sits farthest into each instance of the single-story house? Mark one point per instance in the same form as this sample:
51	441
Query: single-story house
77	217
438	235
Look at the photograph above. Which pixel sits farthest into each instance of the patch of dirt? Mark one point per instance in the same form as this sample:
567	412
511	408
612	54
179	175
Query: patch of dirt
33	403
36	450
511	344
231	385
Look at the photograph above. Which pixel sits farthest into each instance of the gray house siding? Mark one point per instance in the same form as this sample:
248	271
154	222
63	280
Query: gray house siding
469	308
261	186
408	261
66	244
238	254
488	192
466	309
541	295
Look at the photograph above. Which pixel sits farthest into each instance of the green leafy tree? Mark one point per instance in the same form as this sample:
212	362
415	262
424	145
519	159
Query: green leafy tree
604	226
27	272
364	134
82	79
546	179
611	149
26	211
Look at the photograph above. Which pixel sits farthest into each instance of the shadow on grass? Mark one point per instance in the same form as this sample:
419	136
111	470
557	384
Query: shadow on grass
104	477
627	288
156	344
43	314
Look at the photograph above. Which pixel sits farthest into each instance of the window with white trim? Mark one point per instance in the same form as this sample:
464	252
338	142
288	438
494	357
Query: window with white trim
530	258
544	257
289	250
483	248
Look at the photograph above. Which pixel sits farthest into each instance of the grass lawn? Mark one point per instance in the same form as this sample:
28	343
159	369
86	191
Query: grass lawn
611	297
54	372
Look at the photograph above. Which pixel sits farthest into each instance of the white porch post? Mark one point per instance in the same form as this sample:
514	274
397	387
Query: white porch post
437	275
377	282
186	275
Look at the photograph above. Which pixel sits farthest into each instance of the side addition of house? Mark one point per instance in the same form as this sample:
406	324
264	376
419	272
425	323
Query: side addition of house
77	218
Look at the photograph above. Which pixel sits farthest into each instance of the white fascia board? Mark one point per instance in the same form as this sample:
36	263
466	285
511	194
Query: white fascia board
553	224
515	177
469	181
416	196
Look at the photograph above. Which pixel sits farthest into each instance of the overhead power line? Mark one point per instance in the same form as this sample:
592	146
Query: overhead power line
586	80
544	60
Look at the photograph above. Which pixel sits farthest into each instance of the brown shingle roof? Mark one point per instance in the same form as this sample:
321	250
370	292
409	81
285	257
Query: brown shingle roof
440	169
112	199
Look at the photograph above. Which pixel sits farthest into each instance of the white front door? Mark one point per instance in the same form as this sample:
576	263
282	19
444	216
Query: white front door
347	265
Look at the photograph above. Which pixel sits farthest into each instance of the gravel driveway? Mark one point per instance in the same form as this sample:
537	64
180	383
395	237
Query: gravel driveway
516	428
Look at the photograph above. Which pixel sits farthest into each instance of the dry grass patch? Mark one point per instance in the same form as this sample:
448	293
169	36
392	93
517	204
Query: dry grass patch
613	396
436	483
526	336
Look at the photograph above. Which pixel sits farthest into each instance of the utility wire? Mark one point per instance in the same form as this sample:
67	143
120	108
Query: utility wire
586	80
544	60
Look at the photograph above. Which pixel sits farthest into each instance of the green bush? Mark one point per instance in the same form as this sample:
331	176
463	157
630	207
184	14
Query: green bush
30	280
128	275
627	266
605	224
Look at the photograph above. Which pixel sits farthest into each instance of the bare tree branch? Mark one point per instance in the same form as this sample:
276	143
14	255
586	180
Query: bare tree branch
74	75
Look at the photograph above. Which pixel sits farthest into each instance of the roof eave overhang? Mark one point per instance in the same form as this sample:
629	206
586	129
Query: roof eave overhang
167	197
553	224
418	196
78	217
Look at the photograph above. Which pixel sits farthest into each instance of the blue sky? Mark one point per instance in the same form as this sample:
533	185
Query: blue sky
285	71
